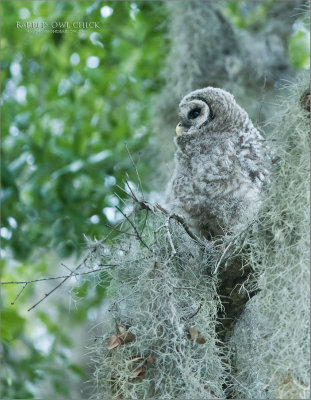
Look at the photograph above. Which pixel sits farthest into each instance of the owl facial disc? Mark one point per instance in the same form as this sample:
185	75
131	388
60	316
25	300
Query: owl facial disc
194	113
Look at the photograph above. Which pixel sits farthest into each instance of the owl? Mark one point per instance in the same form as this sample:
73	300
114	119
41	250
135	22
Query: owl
221	164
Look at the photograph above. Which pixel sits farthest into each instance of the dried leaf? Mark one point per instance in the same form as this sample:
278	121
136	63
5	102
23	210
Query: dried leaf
124	335
113	342
265	386
139	374
150	359
196	336
286	380
121	330
305	100
194	333
200	340
129	337
133	360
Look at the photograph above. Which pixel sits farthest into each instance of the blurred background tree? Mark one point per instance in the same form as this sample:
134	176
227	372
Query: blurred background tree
70	101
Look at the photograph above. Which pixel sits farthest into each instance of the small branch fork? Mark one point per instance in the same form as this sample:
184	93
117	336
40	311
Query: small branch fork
196	312
167	224
139	235
183	223
59	277
149	207
18	294
64	278
74	273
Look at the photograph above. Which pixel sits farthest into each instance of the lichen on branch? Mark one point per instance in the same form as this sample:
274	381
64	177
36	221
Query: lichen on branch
164	293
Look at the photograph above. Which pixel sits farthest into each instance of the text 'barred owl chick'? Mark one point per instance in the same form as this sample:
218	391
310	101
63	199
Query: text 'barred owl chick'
220	163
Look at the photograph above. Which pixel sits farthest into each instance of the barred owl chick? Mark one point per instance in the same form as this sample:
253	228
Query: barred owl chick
220	163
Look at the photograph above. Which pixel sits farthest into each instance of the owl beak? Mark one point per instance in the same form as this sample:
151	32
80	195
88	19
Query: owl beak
179	129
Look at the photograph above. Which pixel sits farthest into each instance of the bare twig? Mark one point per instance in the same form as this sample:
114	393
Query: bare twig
144	224
134	227
65	266
136	170
183	223
196	312
50	292
147	206
222	257
124	191
116	194
167	224
159	207
119	230
130	189
73	274
18	294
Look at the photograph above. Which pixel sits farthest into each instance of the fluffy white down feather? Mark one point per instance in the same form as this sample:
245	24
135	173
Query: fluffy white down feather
220	164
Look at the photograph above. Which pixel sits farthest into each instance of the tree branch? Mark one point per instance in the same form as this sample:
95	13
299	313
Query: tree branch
71	275
138	235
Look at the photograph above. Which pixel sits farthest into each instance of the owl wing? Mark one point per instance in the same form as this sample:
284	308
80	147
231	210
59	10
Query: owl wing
253	155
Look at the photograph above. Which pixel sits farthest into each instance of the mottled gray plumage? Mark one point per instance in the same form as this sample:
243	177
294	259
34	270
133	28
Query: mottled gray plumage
220	163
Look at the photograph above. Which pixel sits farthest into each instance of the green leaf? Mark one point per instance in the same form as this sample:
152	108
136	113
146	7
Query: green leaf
12	324
76	369
81	291
299	49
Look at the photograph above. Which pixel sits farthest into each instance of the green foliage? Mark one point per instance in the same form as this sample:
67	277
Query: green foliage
299	49
246	14
66	122
252	16
14	324
63	153
41	348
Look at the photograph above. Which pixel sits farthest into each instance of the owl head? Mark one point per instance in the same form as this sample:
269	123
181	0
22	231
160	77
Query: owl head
208	110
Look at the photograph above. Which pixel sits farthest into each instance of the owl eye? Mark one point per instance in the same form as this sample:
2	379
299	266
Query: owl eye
194	113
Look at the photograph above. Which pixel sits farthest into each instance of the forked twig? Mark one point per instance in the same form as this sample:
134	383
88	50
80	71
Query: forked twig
196	312
136	170
119	230
167	225
18	294
183	223
144	224
50	278
63	281
138	235
130	189
70	275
